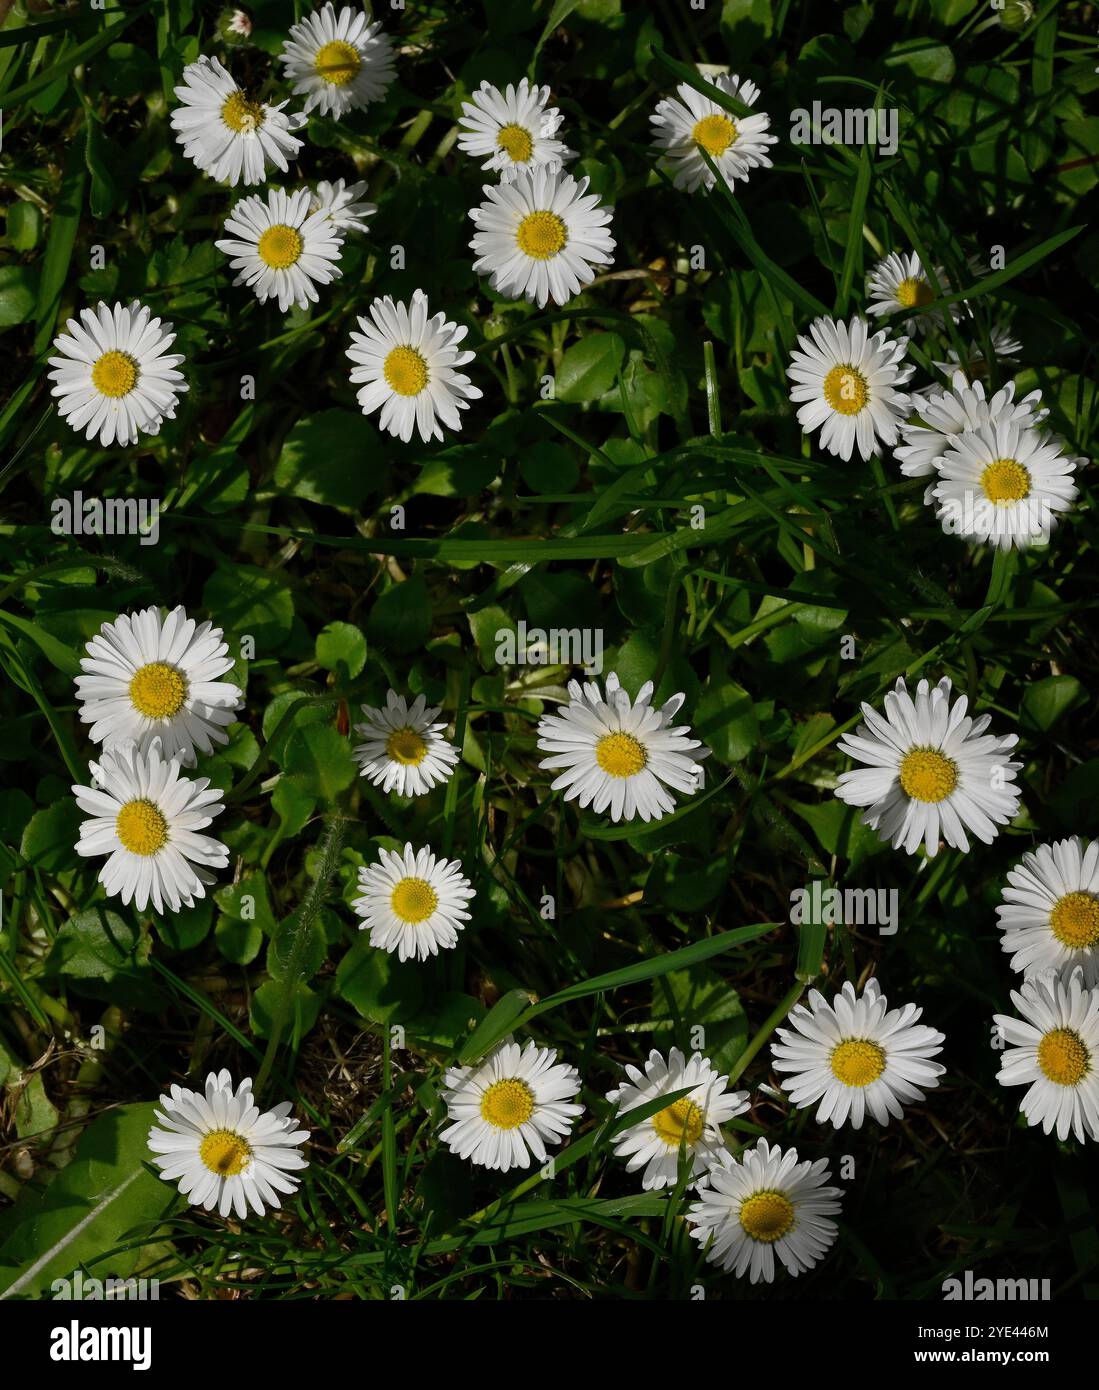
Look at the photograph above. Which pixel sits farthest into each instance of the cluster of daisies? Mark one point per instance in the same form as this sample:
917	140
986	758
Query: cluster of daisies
995	475
539	234
151	693
852	1059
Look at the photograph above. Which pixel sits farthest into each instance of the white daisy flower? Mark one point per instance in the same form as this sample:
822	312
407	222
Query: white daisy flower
146	818
226	134
1050	913
150	677
512	130
690	122
687	1126
539	236
766	1204
115	377
222	1151
338	60
413	903
504	1110
846	382
406	362
932	772
1004	484
340	203
1005	349
236	22
621	756
945	414
856	1058
280	249
1054	1051
403	749
899	282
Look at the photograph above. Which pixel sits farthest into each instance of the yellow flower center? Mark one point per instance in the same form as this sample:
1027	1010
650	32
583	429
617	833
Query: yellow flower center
414	900
507	1104
141	827
620	755
158	690
241	115
405	746
405	371
115	374
714	133
767	1216
927	775
225	1153
914	291
338	63
680	1122
1004	480
857	1062
279	246
516	143
845	390
541	235
1075	920
1063	1057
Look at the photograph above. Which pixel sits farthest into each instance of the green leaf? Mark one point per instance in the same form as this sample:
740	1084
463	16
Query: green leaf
341	647
725	719
103	1200
238	941
496	1024
23	226
929	59
377	985
17	292
400	621
700	998
319	759
1046	701
64	220
326	458
251	602
589	368
106	957
50	837
745	26
100	154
